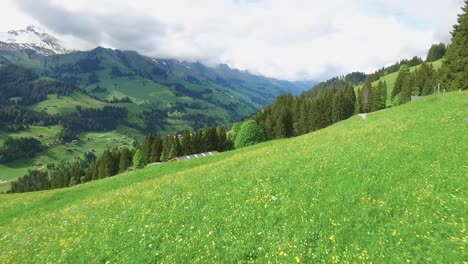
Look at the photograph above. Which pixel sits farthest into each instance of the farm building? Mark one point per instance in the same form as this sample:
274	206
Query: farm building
194	156
415	98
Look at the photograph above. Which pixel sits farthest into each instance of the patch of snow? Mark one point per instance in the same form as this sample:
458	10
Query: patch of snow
34	38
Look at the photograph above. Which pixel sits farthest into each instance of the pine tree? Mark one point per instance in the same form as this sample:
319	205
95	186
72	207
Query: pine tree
359	101
167	144
400	83
125	160
284	124
138	160
436	52
198	144
382	95
156	149
211	139
146	147
106	165
408	89
338	106
187	144
176	148
455	65
303	122
222	139
366	96
350	100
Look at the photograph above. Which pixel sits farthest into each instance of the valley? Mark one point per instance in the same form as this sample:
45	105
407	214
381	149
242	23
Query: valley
233	132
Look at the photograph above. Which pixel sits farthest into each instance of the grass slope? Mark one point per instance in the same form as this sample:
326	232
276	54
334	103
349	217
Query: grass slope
389	189
391	78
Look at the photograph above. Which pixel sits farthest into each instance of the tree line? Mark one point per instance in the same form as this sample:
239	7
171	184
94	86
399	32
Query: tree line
118	160
16	148
158	148
292	116
16	118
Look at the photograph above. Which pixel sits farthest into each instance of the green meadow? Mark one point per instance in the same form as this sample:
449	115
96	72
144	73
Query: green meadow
388	189
67	104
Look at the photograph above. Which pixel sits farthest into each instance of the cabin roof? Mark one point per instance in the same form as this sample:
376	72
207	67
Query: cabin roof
195	156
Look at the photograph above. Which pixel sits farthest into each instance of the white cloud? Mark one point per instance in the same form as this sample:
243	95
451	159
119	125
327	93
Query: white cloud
293	39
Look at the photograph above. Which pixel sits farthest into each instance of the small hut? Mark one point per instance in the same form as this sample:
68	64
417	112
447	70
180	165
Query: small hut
194	156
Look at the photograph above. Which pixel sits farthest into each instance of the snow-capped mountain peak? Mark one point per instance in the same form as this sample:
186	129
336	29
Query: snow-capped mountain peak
34	38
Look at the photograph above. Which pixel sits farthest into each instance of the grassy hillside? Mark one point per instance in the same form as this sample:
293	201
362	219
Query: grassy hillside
66	104
391	78
389	189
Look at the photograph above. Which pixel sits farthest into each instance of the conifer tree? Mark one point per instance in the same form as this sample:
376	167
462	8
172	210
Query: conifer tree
366	96
350	100
198	144
455	66
106	165
211	139
166	152
176	148
303	121
187	144
284	124
146	147
338	106
125	160
400	83
138	160
222	139
382	95
156	149
436	52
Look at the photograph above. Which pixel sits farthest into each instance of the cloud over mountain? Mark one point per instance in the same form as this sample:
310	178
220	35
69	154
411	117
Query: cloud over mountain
296	39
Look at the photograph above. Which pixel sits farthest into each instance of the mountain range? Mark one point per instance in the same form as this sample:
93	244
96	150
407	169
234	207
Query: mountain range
188	90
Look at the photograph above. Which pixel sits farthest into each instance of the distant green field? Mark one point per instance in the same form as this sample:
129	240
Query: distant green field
388	189
66	104
98	142
137	89
43	134
391	78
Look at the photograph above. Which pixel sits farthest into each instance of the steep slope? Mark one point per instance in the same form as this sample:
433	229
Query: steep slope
388	189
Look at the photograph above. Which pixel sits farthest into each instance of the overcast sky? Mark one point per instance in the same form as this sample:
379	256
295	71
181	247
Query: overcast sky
286	39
